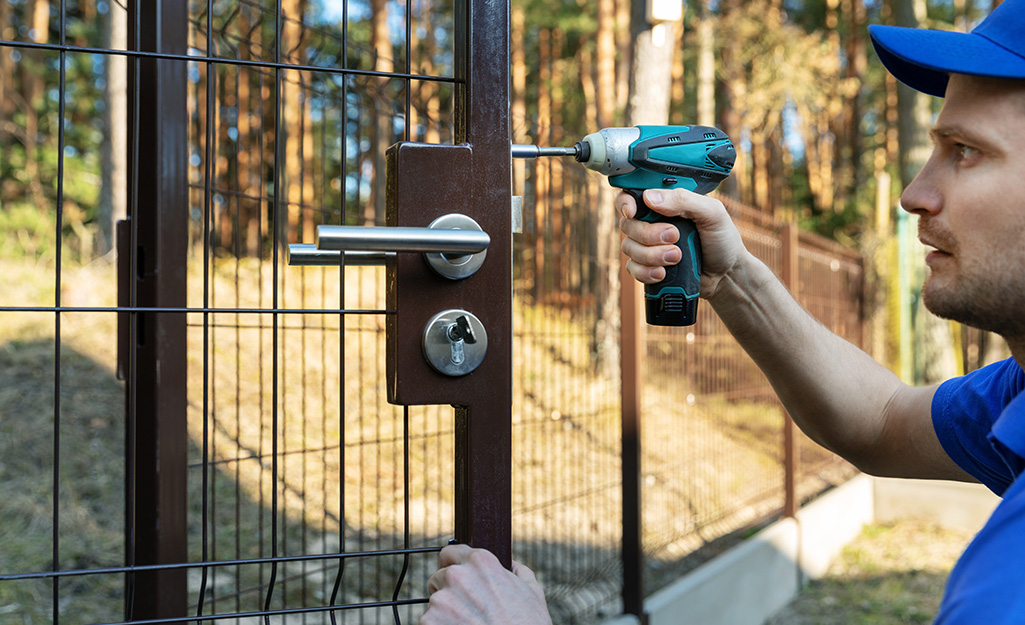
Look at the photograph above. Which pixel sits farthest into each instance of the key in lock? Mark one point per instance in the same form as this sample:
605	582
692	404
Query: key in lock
455	342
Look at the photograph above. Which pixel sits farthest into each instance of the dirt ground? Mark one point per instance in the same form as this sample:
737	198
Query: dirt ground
891	574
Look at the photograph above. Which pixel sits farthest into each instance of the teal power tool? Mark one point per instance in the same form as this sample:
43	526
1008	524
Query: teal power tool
696	158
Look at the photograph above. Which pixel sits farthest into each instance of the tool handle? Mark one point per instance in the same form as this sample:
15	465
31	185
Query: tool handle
674	300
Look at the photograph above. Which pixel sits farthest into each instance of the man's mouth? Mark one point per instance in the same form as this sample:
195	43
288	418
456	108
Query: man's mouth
935	256
941	246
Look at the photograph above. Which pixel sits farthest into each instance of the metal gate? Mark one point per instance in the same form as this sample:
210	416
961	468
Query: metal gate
266	474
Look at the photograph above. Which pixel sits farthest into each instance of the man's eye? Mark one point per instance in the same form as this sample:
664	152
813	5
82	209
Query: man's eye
965	151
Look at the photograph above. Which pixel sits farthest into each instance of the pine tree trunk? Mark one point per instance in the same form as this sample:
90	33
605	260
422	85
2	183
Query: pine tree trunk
541	165
114	148
624	52
33	85
429	97
382	133
518	107
704	33
606	59
676	110
857	65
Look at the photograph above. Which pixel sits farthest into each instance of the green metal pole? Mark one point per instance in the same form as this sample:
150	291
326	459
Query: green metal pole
905	357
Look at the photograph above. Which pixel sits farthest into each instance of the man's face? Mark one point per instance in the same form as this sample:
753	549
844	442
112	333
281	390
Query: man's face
970	197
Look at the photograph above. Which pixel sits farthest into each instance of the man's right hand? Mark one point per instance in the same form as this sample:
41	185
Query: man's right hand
650	246
471	587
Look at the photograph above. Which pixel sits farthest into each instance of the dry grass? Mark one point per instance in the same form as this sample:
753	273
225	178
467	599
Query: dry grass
340	450
890	575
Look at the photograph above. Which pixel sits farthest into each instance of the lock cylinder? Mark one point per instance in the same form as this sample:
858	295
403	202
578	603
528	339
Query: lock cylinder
455	342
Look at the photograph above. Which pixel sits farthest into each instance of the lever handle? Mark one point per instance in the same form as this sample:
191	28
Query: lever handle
425	240
454	245
307	255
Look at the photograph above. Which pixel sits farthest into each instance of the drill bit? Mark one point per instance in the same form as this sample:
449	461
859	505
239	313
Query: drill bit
534	151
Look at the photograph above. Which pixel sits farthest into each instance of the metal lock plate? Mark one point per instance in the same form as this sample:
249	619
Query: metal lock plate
456	266
455	342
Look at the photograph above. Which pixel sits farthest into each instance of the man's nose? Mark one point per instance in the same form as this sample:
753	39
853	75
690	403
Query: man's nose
923	195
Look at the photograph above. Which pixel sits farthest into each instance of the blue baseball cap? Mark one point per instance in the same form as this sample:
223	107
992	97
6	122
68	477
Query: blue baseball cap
924	59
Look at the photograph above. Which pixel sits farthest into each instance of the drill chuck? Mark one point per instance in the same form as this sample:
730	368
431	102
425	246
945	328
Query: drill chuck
583	151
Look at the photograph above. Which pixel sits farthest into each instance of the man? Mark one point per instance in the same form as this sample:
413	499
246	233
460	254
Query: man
970	198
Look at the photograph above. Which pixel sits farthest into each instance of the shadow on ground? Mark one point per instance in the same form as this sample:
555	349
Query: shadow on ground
890	575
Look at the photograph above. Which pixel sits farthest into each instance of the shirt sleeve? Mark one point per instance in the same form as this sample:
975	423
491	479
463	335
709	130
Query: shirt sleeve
964	410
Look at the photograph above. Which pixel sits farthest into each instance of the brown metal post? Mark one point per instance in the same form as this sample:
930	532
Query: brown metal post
157	445
631	343
484	460
791	279
472	178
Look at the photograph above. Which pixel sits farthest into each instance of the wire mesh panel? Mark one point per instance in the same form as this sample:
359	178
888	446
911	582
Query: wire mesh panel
713	429
712	449
61	406
831	287
300	493
284	139
711	436
567	494
260	475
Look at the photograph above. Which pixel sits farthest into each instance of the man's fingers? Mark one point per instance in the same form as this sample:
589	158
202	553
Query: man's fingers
455	559
451	555
523	572
472	586
645	274
454	554
651	255
437	581
626	205
649	233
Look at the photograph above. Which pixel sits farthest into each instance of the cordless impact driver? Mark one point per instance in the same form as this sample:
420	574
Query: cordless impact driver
696	158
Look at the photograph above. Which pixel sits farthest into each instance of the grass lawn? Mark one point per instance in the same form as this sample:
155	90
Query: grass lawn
890	575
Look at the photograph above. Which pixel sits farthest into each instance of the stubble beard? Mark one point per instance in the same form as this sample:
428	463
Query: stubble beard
985	303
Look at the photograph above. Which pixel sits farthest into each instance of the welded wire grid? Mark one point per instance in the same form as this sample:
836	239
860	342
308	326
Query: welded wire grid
567	497
712	436
712	428
348	473
307	492
832	288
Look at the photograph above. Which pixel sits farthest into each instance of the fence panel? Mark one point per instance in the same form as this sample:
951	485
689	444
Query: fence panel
712	429
304	494
567	523
307	495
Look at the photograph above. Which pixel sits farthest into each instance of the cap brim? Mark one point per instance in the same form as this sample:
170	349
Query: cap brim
924	59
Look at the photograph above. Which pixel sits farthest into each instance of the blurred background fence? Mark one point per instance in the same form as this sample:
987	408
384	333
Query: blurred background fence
713	455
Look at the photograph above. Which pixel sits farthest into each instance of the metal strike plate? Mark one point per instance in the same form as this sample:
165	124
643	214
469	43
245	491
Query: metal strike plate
455	342
517	214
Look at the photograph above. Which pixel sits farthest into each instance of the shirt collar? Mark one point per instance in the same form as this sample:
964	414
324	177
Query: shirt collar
1009	433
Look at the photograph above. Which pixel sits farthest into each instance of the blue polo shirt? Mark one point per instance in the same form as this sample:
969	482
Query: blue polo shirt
980	420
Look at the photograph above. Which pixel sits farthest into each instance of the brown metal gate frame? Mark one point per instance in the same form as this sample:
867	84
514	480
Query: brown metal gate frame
156	436
152	301
474	178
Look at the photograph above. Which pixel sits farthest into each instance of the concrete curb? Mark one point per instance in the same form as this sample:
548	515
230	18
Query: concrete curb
748	583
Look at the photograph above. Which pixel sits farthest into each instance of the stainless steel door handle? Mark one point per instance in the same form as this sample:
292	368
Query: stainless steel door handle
454	245
307	255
